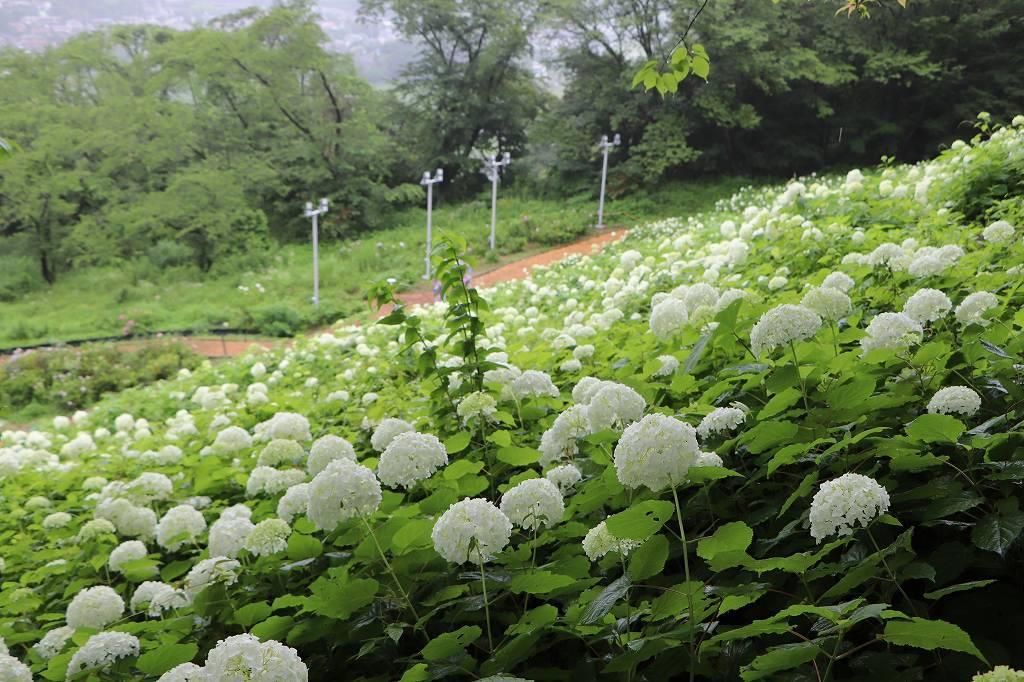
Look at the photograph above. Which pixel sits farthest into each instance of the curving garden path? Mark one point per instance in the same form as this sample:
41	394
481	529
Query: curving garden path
219	347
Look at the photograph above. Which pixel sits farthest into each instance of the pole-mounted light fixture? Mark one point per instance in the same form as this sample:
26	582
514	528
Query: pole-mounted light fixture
605	146
429	183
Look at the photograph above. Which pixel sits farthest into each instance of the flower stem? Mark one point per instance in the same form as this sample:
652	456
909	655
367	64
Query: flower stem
689	590
803	385
487	608
891	574
394	576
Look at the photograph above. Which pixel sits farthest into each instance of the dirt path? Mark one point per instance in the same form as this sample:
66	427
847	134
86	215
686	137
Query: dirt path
519	269
219	347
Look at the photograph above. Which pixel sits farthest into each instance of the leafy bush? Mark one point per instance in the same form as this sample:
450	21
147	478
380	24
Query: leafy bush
74	378
779	441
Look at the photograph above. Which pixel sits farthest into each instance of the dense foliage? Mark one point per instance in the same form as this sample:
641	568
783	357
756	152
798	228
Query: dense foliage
68	379
780	440
199	147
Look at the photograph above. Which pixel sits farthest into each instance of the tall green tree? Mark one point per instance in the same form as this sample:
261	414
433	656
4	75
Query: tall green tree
471	89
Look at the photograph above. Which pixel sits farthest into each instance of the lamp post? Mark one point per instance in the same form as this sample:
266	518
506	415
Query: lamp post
492	169
605	145
429	183
314	215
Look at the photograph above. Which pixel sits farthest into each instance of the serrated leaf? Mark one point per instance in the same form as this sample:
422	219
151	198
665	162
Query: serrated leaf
997	531
936	428
161	659
649	559
727	546
540	582
449	644
930	635
605	601
953	589
640	521
458	442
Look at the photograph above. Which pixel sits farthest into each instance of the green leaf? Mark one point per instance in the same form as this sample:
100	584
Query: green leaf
998	530
779	403
460	468
339	599
961	587
936	428
649	559
303	547
710	473
500	438
414	534
930	635
275	627
540	582
640	521
603	602
727	546
252	613
780	658
518	456
451	643
161	659
458	442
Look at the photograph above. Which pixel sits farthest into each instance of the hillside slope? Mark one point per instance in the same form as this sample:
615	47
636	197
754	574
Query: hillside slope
778	440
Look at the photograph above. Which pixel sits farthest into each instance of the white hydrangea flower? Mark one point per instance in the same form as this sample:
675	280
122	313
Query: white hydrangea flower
893	331
471	530
269	481
955	400
599	541
668	318
570	366
79	445
927	305
560	440
777	282
720	420
655	452
584	352
129	519
13	670
565	476
53	642
56	520
95	528
831	304
156	597
843	503
243	658
534	384
998	232
533	503
669	365
268	537
178	526
285	425
279	451
783	325
410	457
94	608
186	672
258	370
232	439
708	459
341	491
386	430
216	569
228	535
840	281
476	404
973	308
327	449
130	550
293	502
102	651
614	405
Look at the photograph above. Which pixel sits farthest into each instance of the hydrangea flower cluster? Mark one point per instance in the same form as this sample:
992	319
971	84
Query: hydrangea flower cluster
410	457
599	541
955	400
783	325
656	452
343	490
533	503
844	503
471	530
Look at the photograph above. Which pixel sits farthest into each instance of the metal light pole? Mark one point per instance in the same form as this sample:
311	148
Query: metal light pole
314	214
429	183
492	169
605	145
